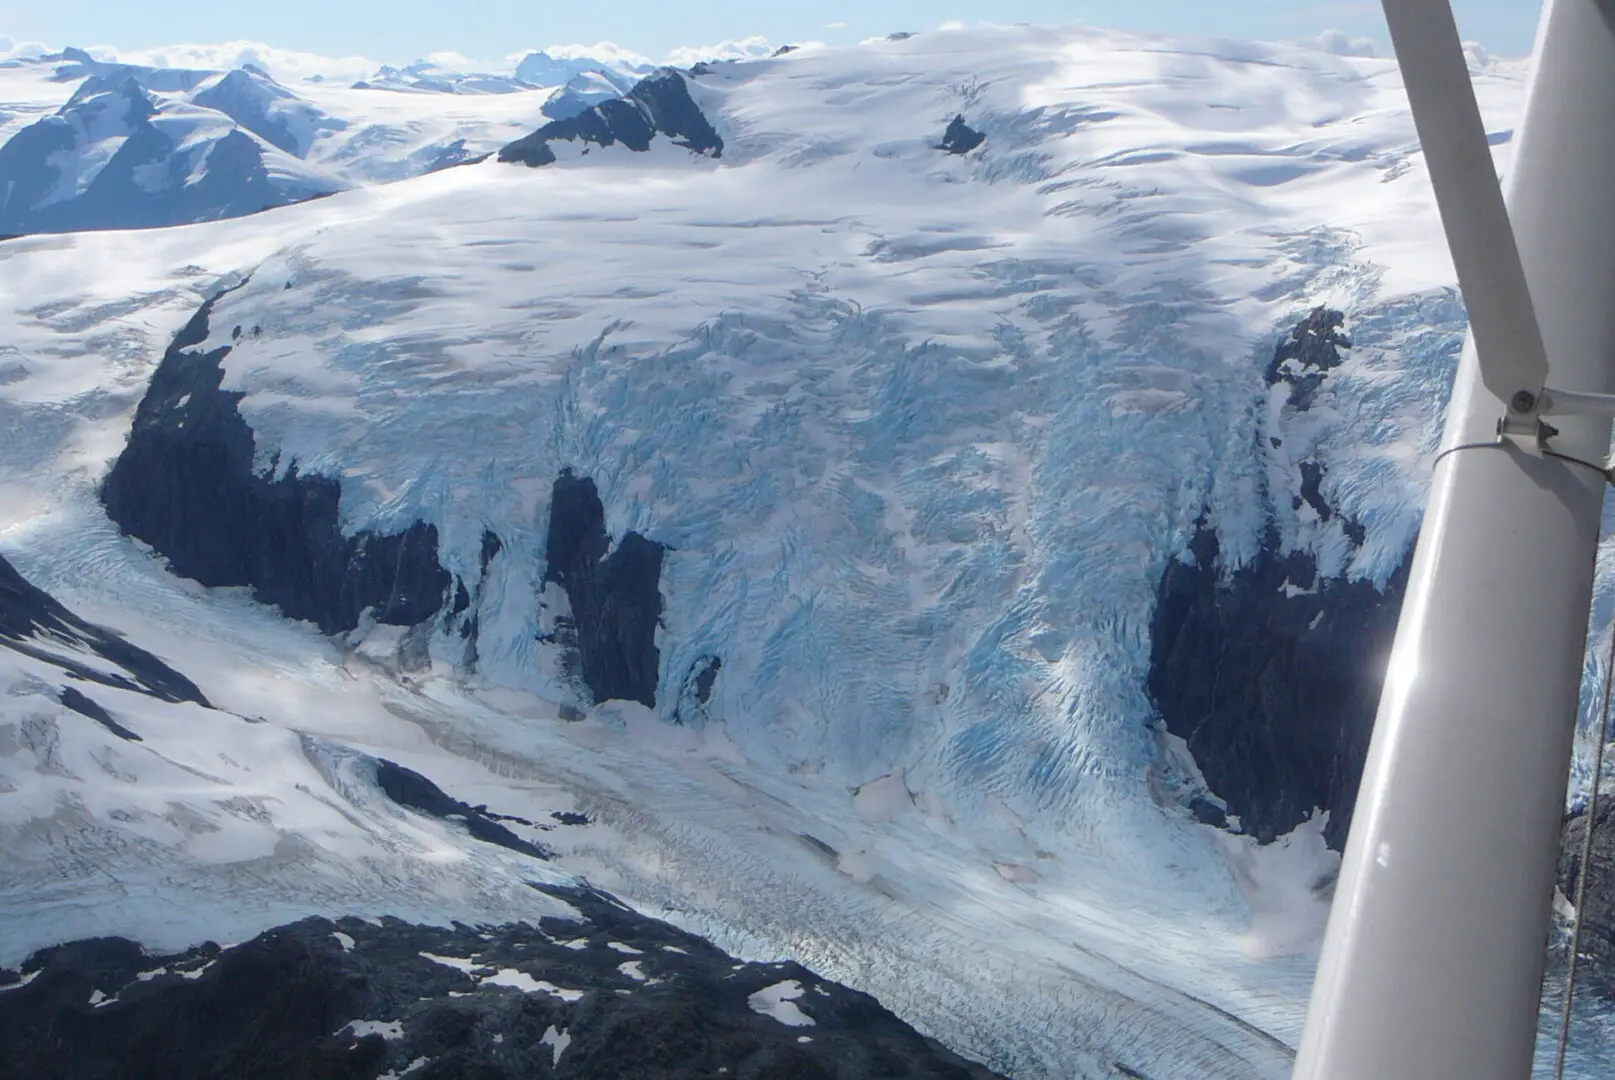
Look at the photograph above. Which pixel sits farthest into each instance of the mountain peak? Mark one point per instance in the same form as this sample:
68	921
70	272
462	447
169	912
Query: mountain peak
659	104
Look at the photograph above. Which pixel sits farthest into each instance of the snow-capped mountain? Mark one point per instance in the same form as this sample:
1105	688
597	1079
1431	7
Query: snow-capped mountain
427	77
658	106
114	156
67	117
584	91
542	69
842	527
262	106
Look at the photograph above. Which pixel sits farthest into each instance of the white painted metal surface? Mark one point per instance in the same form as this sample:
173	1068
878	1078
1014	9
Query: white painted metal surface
1502	321
1432	961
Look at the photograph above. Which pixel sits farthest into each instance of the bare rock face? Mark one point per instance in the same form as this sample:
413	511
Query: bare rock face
960	137
185	484
1274	688
1597	915
614	592
36	624
614	996
1272	674
659	104
1275	694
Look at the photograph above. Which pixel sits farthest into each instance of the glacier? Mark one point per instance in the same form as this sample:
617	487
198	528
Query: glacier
919	434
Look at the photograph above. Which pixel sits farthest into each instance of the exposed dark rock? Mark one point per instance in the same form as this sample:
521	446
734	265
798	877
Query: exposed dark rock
35	624
1308	354
471	628
1273	690
1207	812
659	104
697	689
569	817
28	172
1272	674
1597	945
615	593
706	673
785	50
409	788
819	845
293	1002
87	706
491	546
960	138
1312	490
455	153
185	484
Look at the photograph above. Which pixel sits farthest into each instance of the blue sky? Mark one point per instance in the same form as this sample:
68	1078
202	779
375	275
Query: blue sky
397	31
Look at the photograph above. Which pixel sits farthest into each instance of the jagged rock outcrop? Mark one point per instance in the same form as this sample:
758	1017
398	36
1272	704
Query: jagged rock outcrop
960	138
1273	690
659	104
696	690
410	789
614	593
84	705
185	484
1308	354
615	996
37	625
1272	674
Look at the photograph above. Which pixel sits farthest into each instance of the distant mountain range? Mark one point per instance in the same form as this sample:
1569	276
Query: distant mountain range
134	146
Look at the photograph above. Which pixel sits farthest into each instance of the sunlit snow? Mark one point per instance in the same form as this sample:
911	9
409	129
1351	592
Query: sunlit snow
779	1002
920	432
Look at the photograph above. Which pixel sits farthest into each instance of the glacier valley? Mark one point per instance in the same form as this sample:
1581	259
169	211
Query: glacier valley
793	496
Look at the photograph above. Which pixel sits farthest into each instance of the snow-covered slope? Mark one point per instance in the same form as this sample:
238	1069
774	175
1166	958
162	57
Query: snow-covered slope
910	439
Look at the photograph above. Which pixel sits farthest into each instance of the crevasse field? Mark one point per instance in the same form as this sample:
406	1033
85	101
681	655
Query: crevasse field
920	431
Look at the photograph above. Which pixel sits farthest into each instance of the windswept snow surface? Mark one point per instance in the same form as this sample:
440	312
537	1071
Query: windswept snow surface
920	433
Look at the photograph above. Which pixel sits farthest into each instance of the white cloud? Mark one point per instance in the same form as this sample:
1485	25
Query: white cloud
291	65
1341	44
21	50
837	25
286	65
459	62
751	48
608	51
951	24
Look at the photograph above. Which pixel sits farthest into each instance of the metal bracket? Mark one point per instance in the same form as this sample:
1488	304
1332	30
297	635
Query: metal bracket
1528	433
1523	425
1576	403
